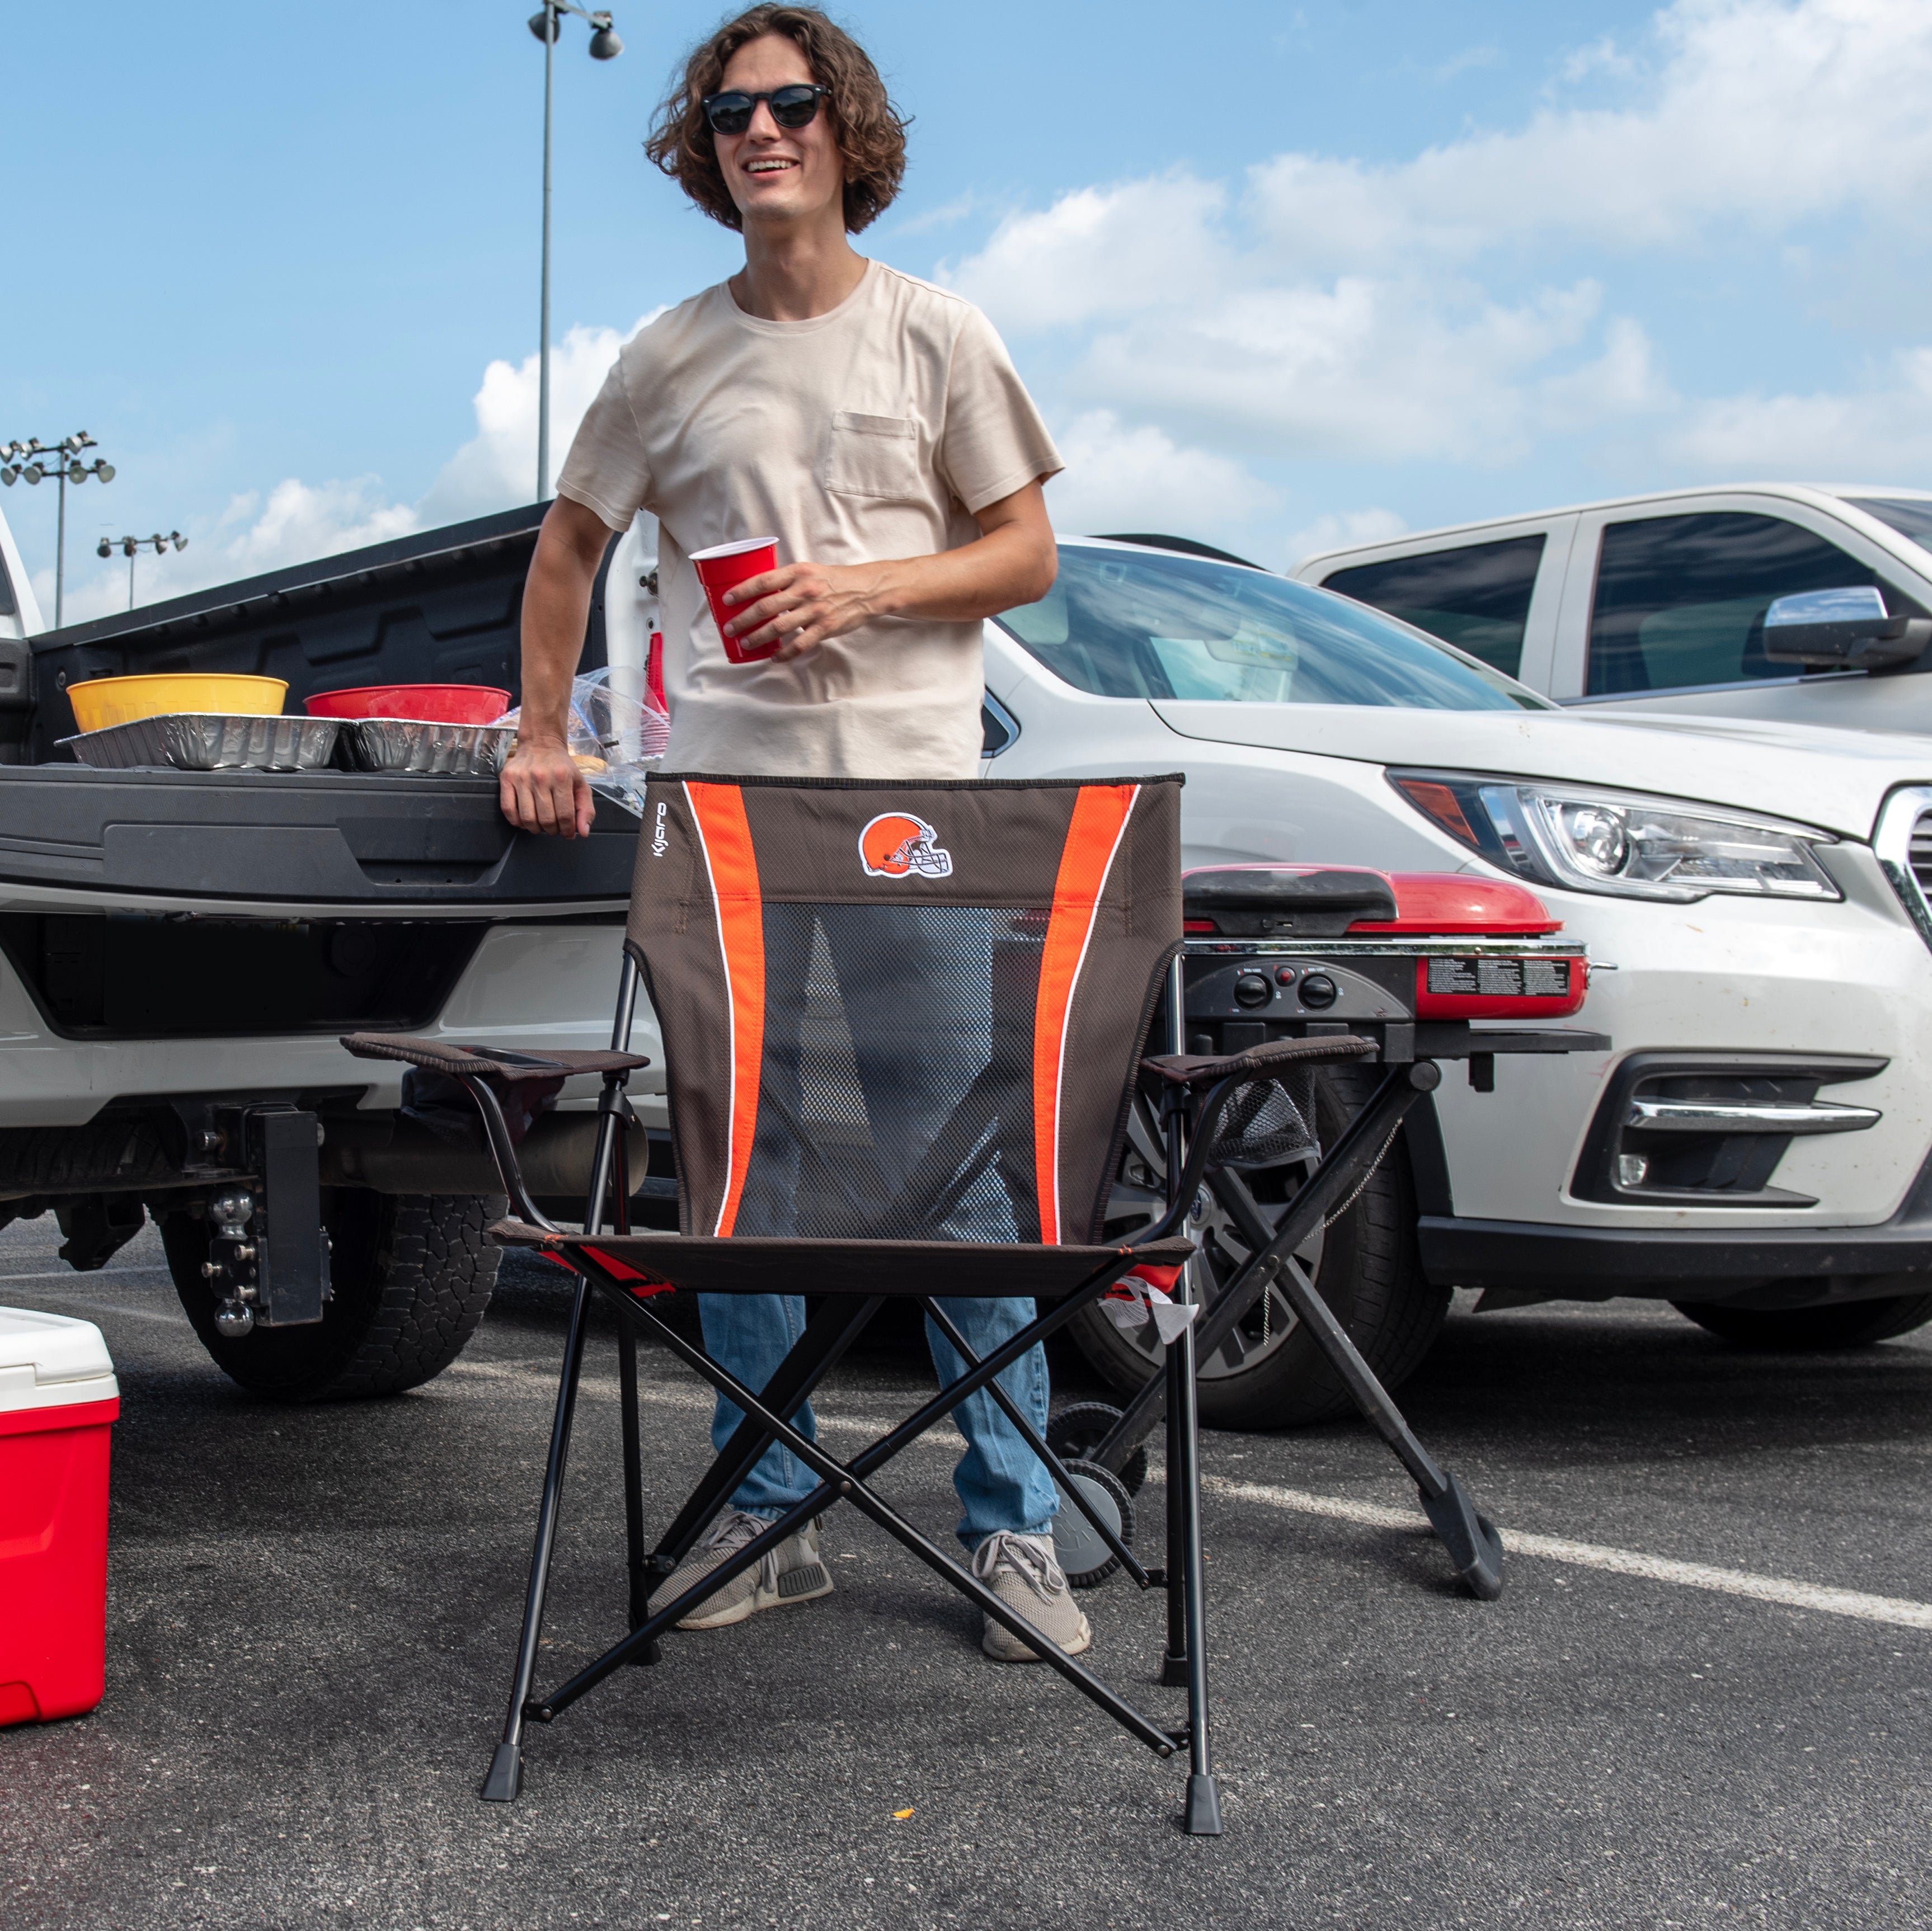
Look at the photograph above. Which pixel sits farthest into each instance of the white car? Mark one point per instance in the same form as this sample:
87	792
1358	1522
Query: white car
1753	1147
1668	601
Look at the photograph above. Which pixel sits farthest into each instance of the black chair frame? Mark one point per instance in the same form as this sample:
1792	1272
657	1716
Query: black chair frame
1194	1097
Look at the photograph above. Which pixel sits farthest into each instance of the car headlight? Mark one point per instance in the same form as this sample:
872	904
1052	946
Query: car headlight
1586	840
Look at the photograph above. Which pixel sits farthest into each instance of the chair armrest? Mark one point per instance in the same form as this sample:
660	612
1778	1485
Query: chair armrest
1275	1056
445	1056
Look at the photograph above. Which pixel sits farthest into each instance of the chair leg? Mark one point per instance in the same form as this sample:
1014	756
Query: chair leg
637	1561
1204	1795
506	1767
1173	1662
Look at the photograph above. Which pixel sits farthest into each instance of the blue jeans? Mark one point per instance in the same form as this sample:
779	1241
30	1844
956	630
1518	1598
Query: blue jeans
950	1035
1001	1483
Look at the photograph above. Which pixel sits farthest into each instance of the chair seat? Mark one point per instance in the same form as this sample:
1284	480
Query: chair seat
756	1265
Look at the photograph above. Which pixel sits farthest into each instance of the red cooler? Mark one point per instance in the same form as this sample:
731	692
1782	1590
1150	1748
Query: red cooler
58	1403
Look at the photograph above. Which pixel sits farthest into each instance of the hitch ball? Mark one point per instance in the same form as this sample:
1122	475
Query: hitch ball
230	1211
232	1320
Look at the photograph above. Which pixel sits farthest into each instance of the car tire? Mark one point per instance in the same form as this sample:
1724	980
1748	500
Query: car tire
1369	1270
410	1274
1795	1330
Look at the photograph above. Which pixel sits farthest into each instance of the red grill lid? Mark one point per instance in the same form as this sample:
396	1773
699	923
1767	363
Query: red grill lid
1289	900
1450	903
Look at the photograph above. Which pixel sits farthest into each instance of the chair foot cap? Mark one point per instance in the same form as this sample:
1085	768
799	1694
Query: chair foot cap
506	1775
1475	1549
1174	1672
1204	1807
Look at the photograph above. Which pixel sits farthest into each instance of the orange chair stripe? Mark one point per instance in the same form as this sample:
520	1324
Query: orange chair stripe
1100	813
724	836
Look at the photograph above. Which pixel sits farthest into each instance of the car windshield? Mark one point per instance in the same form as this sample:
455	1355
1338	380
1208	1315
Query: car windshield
1911	518
1123	624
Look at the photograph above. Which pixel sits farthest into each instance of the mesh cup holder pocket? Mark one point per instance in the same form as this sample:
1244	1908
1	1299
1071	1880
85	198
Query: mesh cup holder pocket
1267	1121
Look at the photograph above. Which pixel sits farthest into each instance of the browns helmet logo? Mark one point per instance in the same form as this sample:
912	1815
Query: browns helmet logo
897	845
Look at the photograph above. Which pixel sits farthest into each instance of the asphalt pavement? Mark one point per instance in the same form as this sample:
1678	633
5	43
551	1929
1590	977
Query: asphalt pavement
1702	1702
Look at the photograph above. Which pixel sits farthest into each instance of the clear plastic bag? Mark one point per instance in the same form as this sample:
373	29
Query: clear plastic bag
616	734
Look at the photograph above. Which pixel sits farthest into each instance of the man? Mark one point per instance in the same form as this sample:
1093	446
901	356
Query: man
875	424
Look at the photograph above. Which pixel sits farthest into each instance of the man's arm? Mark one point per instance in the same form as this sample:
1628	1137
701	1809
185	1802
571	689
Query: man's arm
1012	561
541	789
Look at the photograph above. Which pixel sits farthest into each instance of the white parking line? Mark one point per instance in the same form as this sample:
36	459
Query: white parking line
67	1274
96	1304
1894	1609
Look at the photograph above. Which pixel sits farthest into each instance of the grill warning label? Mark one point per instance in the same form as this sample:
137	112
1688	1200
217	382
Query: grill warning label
1504	978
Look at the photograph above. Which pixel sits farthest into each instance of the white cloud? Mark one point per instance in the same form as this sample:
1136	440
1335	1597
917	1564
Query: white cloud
1119	478
1372	369
497	466
1882	432
1333	309
1097	251
296	522
1764	111
1340	528
1600	56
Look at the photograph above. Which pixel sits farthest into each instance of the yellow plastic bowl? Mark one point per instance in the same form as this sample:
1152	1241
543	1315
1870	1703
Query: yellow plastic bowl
103	701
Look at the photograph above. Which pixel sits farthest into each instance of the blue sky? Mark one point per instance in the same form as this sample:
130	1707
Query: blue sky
1279	275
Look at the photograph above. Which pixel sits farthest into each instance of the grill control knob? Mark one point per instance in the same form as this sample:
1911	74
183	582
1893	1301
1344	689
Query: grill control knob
1252	989
1318	990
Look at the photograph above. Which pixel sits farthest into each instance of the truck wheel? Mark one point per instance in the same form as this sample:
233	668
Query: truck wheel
1366	1266
410	1275
1849	1324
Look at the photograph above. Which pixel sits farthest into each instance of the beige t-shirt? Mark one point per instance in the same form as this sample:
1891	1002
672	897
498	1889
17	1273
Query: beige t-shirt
871	432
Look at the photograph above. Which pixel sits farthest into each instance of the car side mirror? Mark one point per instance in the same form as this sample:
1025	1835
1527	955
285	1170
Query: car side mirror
1842	630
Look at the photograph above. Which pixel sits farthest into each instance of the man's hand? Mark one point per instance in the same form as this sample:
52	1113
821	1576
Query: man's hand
541	789
804	603
798	605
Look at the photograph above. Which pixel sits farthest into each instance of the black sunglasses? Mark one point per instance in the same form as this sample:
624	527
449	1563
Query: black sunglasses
793	106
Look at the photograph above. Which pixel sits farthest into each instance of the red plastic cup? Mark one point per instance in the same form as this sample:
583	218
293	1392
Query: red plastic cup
725	565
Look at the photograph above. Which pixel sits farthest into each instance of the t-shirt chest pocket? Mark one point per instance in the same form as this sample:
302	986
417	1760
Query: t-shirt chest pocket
873	456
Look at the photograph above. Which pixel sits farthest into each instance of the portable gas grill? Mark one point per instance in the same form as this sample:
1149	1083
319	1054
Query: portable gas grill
1429	966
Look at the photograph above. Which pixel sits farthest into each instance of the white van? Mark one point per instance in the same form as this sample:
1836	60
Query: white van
1706	600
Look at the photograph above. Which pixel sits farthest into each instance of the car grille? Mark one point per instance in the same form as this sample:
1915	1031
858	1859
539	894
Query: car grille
1919	856
1902	843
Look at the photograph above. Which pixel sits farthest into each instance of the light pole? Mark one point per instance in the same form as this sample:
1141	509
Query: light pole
129	545
604	45
27	459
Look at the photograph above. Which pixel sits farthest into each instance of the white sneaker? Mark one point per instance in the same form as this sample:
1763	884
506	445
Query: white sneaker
792	1573
1021	1571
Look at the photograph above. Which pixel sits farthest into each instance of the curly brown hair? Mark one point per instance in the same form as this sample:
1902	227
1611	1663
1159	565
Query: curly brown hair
869	130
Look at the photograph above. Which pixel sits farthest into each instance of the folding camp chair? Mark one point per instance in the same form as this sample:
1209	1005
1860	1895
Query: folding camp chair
903	1024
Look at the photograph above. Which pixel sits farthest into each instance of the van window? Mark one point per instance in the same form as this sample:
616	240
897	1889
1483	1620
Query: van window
1909	516
1477	597
1680	599
9	606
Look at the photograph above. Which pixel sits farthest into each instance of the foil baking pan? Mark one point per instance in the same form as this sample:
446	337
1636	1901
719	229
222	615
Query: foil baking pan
210	741
442	751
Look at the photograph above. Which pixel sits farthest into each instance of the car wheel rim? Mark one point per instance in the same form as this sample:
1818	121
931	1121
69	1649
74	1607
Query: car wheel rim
1138	1198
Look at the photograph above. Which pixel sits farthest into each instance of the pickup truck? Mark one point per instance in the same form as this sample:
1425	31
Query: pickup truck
179	950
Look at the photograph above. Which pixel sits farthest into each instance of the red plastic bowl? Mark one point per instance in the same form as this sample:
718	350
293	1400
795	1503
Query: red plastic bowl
426	703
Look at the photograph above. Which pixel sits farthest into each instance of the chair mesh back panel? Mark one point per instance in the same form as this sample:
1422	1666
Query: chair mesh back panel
902	1010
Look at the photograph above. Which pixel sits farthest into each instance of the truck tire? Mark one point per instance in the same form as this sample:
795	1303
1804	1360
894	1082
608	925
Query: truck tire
410	1275
1366	1266
1795	1330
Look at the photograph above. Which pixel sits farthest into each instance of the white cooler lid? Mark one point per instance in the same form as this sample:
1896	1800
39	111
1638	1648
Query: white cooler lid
50	1361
